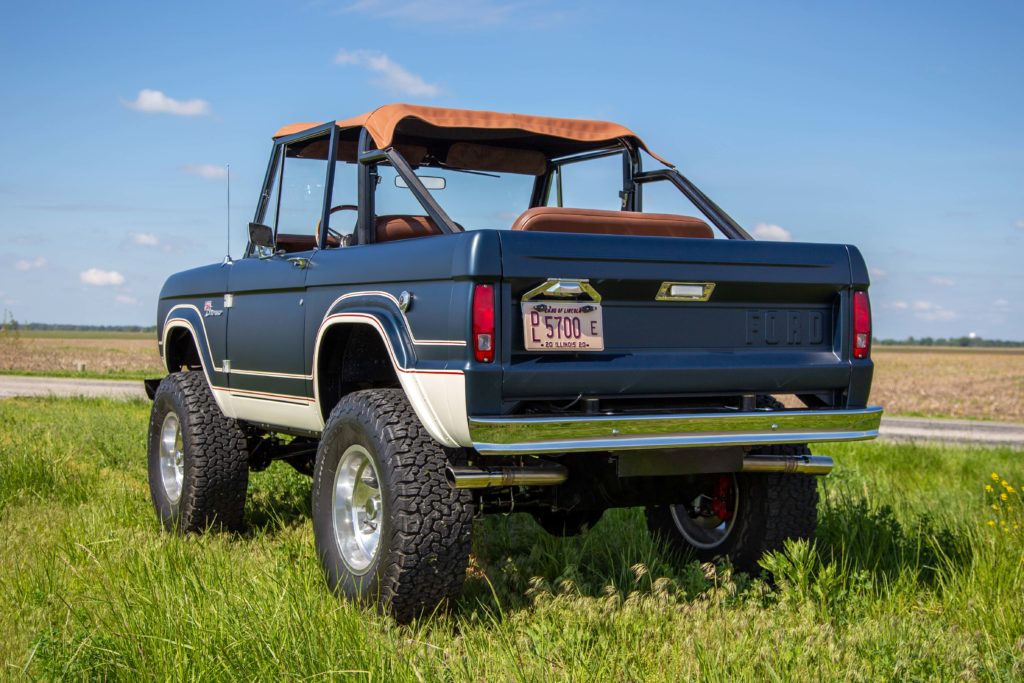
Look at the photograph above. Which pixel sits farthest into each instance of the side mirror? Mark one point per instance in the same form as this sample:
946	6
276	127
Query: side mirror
261	236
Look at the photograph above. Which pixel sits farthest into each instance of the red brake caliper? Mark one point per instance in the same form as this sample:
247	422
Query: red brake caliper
720	501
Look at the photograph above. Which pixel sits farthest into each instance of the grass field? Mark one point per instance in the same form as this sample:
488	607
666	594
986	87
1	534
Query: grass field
906	579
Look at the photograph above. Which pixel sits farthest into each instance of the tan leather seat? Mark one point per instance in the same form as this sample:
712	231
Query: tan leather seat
597	222
392	228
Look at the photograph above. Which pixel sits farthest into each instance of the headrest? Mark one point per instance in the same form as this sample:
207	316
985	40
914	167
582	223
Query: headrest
593	221
392	228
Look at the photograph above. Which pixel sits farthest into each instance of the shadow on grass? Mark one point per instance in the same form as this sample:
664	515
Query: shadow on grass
515	560
279	498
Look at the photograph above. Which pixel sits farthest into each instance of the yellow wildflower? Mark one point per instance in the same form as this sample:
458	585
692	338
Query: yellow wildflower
991	523
995	506
988	488
1010	489
1003	496
995	477
1005	484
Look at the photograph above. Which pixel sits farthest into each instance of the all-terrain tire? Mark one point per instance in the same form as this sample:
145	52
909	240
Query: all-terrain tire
214	469
772	508
418	564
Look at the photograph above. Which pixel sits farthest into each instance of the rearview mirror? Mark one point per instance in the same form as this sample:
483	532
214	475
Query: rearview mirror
261	236
431	182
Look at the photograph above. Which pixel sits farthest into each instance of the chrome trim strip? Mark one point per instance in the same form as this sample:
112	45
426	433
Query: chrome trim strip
397	302
511	436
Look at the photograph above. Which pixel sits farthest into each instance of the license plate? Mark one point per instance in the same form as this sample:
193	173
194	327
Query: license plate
559	326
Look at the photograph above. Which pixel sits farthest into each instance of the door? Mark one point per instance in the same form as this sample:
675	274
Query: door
269	378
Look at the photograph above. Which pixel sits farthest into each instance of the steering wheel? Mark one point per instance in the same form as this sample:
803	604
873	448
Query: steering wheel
339	238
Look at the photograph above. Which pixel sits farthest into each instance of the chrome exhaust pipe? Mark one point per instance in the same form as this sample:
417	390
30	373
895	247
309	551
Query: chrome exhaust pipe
462	477
819	465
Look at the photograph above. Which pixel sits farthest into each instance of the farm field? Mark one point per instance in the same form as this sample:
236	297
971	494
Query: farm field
912	575
979	384
982	384
106	355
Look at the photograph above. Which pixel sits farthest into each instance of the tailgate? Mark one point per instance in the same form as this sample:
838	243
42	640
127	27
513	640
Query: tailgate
774	322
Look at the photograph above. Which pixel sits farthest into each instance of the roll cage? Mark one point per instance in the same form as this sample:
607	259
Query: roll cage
368	156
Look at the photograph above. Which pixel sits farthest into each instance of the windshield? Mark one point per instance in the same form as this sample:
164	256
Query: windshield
475	200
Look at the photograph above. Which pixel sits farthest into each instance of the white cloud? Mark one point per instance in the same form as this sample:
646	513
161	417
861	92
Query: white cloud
393	76
898	305
1019	224
155	102
101	278
208	171
878	273
926	310
144	239
772	233
1001	303
940	281
125	299
25	264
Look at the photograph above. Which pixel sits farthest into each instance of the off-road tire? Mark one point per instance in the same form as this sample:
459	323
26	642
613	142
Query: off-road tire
216	470
773	508
565	524
420	562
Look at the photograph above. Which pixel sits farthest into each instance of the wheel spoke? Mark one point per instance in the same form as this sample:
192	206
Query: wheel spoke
358	509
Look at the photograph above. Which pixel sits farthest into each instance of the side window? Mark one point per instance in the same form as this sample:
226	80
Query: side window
590	184
302	198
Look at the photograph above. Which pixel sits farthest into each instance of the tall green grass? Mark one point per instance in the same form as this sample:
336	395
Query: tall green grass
905	580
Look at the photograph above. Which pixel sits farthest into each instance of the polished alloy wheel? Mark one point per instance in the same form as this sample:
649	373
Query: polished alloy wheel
172	457
708	519
358	509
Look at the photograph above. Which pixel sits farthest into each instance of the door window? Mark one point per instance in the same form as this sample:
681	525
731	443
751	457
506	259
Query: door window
302	200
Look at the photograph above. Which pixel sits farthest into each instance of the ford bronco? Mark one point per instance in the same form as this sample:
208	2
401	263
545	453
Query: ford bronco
443	313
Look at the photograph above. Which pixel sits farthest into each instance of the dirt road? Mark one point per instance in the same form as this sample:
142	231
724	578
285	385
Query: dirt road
14	385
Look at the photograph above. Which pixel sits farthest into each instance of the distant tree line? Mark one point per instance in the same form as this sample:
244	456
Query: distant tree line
952	341
14	325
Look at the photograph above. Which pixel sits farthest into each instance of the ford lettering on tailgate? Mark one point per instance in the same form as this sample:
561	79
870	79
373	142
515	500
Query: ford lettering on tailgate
775	327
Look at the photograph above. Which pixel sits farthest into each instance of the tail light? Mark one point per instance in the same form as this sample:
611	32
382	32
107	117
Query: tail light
861	325
483	323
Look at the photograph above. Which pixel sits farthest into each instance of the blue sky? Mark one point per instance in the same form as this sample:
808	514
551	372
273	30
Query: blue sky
898	127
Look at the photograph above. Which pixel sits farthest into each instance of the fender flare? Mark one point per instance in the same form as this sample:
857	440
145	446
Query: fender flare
188	317
437	396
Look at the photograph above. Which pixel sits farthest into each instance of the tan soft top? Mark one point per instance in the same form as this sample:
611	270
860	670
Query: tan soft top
553	135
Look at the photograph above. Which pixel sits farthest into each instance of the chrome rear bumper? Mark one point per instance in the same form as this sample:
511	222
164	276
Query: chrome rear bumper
522	435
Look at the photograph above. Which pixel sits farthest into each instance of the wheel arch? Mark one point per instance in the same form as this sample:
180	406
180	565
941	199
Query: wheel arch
184	344
438	397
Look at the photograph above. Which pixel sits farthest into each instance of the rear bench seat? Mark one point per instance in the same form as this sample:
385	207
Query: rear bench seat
556	219
597	222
